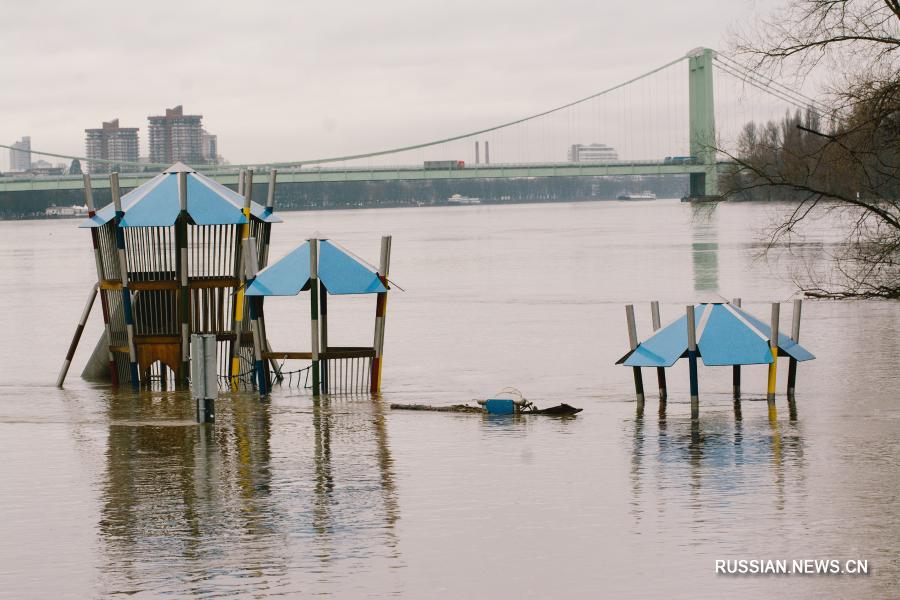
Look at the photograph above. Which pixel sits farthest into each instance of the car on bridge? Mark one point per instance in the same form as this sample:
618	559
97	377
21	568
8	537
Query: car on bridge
680	160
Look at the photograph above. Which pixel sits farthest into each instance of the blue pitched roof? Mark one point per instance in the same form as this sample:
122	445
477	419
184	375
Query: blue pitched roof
156	203
338	269
726	335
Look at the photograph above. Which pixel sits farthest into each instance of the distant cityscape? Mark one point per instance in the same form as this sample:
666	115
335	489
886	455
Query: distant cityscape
173	137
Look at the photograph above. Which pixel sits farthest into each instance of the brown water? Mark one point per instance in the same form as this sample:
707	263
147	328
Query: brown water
107	493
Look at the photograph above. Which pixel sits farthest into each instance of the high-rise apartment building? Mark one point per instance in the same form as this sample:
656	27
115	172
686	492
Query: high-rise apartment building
176	137
592	153
111	142
20	156
210	148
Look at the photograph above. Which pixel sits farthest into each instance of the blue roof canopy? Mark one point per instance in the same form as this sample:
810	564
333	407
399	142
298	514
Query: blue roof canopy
726	335
340	272
156	203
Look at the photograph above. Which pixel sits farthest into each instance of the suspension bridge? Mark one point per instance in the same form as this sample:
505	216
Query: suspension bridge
662	122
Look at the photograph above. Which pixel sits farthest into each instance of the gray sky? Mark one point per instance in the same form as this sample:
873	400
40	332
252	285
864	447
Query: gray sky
290	80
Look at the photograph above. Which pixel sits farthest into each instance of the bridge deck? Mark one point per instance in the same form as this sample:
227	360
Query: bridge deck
313	174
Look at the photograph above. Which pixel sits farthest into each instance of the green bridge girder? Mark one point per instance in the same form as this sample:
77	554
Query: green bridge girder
410	173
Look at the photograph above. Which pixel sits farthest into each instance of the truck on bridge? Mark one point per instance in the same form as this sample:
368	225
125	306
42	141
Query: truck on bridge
443	165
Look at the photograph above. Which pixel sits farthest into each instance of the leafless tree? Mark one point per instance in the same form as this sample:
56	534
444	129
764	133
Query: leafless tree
845	158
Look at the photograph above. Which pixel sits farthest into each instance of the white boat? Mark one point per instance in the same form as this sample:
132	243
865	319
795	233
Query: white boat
459	199
645	195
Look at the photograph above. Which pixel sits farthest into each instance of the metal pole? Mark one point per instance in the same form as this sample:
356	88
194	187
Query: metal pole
477	155
692	362
75	339
773	366
660	371
314	312
795	335
123	268
633	342
98	260
380	315
736	369
204	387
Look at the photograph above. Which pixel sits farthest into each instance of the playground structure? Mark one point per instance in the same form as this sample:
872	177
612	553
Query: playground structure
323	267
182	255
725	335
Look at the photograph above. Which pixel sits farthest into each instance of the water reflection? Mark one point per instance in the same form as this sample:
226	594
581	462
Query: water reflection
192	507
705	247
717	461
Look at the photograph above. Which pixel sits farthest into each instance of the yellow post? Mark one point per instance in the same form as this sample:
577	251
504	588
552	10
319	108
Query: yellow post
773	366
241	275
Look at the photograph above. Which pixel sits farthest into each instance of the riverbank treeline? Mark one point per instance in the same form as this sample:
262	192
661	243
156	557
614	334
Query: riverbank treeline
376	194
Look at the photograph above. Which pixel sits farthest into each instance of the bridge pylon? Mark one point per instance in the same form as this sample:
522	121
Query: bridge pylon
702	121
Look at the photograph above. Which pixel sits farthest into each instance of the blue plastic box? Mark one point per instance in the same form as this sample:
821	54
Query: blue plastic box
496	406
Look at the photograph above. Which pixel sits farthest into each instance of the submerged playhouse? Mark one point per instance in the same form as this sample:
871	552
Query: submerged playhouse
182	254
720	334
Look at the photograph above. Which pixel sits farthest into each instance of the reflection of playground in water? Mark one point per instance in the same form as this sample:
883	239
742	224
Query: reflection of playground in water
187	504
719	459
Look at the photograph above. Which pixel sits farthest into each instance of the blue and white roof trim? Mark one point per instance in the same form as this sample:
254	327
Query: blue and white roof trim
156	203
726	335
339	270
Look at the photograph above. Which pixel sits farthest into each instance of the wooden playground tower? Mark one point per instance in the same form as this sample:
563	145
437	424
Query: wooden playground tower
173	258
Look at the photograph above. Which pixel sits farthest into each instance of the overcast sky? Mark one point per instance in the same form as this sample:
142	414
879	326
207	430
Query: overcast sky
293	80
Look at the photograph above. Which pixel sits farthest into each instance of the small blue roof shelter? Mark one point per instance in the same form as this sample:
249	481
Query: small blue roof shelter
726	335
156	203
341	272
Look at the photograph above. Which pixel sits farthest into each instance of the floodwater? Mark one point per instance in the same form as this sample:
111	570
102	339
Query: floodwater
109	493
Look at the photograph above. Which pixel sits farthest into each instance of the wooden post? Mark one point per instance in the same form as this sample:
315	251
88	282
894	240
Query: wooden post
773	366
736	369
314	312
692	362
633	342
660	371
181	267
795	335
123	268
323	336
250	270
237	326
75	339
98	260
380	315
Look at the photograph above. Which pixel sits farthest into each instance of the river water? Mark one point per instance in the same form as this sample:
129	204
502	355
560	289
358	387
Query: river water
110	492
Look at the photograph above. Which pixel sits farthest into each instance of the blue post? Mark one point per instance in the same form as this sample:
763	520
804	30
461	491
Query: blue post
692	362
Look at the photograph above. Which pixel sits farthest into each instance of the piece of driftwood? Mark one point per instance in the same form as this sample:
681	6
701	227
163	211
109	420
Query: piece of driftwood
462	408
562	409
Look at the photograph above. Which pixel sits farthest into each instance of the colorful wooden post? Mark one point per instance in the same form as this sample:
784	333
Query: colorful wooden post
123	269
98	260
633	342
795	335
323	334
75	339
314	312
736	369
251	263
773	366
692	362
380	315
660	371
181	267
237	328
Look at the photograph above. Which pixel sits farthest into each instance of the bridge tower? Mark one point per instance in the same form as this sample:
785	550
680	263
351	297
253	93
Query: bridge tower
702	121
